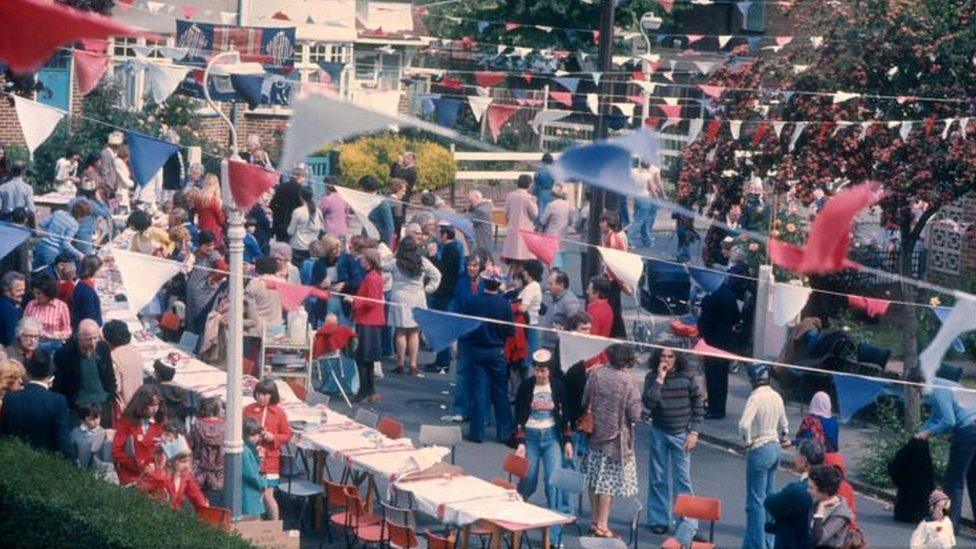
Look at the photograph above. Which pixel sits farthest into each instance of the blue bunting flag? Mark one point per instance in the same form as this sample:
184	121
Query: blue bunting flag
147	155
440	329
11	236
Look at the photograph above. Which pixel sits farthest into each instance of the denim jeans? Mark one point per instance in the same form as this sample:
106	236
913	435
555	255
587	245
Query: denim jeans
491	389
961	469
542	445
443	359
464	389
544	197
641	230
532	337
761	466
669	461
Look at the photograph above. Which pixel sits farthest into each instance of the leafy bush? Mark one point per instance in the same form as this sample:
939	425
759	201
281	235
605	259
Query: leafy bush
373	155
47	502
891	436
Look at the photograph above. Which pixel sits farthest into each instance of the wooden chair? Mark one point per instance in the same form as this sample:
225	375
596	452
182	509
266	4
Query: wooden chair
702	509
216	516
390	427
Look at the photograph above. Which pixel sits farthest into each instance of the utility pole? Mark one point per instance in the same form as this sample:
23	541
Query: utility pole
599	198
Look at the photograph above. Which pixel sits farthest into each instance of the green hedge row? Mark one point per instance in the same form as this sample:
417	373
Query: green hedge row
46	501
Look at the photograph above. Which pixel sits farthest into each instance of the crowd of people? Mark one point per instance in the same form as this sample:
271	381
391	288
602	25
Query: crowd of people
68	376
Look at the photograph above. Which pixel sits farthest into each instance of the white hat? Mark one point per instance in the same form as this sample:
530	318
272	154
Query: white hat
115	138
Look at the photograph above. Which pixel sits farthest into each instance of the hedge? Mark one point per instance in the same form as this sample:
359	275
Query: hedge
45	501
373	155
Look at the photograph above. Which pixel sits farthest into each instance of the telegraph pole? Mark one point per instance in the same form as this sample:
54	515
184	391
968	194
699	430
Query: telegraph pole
599	198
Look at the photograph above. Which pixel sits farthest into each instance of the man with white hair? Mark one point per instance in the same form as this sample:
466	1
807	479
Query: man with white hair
28	337
479	212
111	180
255	154
194	177
84	371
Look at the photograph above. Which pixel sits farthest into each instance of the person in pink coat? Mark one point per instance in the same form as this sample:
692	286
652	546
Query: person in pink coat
335	211
521	209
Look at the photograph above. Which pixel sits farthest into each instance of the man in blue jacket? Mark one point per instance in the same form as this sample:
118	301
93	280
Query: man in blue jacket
35	414
790	507
481	354
14	285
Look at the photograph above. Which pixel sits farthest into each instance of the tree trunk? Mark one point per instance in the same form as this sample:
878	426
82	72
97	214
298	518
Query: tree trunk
909	332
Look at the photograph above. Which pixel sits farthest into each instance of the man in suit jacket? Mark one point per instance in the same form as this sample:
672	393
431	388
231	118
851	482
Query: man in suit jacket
85	374
790	507
723	324
35	414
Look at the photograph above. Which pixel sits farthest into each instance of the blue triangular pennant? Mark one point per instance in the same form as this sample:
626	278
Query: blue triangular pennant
570	83
482	26
459	222
334	70
856	393
600	164
248	86
11	236
427	107
440	329
707	279
754	42
147	155
447	110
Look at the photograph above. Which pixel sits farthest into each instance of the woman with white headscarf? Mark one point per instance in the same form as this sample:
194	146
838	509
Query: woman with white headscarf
820	423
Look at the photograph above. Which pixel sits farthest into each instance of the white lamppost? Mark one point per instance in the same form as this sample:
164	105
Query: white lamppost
233	441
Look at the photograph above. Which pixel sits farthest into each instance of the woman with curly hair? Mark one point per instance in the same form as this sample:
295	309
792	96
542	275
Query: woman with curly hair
414	276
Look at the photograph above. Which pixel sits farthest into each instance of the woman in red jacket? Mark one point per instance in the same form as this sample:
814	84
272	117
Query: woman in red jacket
368	309
209	208
137	435
275	433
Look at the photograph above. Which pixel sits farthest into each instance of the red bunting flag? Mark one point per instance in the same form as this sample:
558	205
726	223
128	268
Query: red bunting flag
871	305
89	68
188	11
509	27
292	295
528	77
596	37
452	83
652	121
692	38
671	111
711	91
713	128
635	99
248	182
783	40
639	76
489	79
564	97
830	235
97	45
34	30
545	247
498	116
761	130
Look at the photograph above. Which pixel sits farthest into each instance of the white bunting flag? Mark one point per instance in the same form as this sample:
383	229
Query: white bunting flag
479	104
626	108
705	67
816	41
864	130
735	127
694	128
961	319
574	347
37	121
163	80
788	301
626	266
228	17
744	8
800	126
906	130
155	7
778	128
723	40
547	116
963	122
143	275
362	204
840	97
593	102
596	77
948	126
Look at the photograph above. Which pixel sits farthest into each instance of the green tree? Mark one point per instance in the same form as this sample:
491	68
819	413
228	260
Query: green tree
909	50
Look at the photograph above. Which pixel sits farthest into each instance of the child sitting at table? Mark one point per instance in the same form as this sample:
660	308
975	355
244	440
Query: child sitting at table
252	483
276	432
331	342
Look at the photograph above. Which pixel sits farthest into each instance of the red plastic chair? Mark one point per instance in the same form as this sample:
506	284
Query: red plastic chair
216	516
401	536
364	526
390	427
700	508
437	542
515	465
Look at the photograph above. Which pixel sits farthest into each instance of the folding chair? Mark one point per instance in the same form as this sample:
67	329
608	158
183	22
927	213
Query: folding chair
366	417
702	509
296	487
399	532
566	481
438	542
635	509
390	427
441	435
363	525
589	542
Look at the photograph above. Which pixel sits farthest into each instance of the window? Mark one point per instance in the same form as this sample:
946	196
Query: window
154	54
331	53
122	47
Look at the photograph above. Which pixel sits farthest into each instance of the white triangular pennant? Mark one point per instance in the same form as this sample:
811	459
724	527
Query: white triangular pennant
948	126
778	128
143	275
744	8
735	126
788	302
705	67
574	347
864	130
37	121
906	129
479	105
626	108
816	41
963	122
545	117
593	102
723	40
155	7
362	204
228	17
626	266
961	319
800	126
163	80
694	128
840	97
596	77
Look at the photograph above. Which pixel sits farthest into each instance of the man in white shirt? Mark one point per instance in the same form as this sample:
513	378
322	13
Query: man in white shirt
641	229
763	426
66	172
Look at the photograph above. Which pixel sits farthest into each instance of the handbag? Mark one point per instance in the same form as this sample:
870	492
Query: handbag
586	423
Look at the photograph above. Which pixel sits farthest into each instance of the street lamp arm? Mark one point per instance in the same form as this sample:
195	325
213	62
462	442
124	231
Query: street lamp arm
210	101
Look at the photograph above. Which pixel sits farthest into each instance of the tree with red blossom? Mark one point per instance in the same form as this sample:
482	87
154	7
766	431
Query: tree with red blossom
907	73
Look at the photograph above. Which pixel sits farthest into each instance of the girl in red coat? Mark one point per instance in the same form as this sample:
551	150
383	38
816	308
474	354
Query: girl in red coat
275	433
173	482
137	435
209	208
370	323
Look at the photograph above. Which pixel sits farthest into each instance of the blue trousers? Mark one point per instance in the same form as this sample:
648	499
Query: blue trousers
544	197
542	447
669	462
491	389
961	469
761	466
464	390
641	229
443	359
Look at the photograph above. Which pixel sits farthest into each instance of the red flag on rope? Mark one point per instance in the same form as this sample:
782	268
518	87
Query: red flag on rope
498	116
545	247
36	29
89	67
248	182
566	98
489	79
830	235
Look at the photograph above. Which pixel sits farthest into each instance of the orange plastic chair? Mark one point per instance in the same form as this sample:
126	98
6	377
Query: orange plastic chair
401	536
216	516
516	466
437	542
365	527
390	427
700	508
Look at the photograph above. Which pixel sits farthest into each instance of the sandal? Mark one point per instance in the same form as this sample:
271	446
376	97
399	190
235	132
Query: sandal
398	369
414	371
603	532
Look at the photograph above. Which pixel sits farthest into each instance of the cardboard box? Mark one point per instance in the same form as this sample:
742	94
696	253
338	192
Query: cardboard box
269	534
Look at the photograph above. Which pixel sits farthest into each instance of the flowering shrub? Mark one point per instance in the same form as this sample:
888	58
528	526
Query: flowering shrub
373	155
